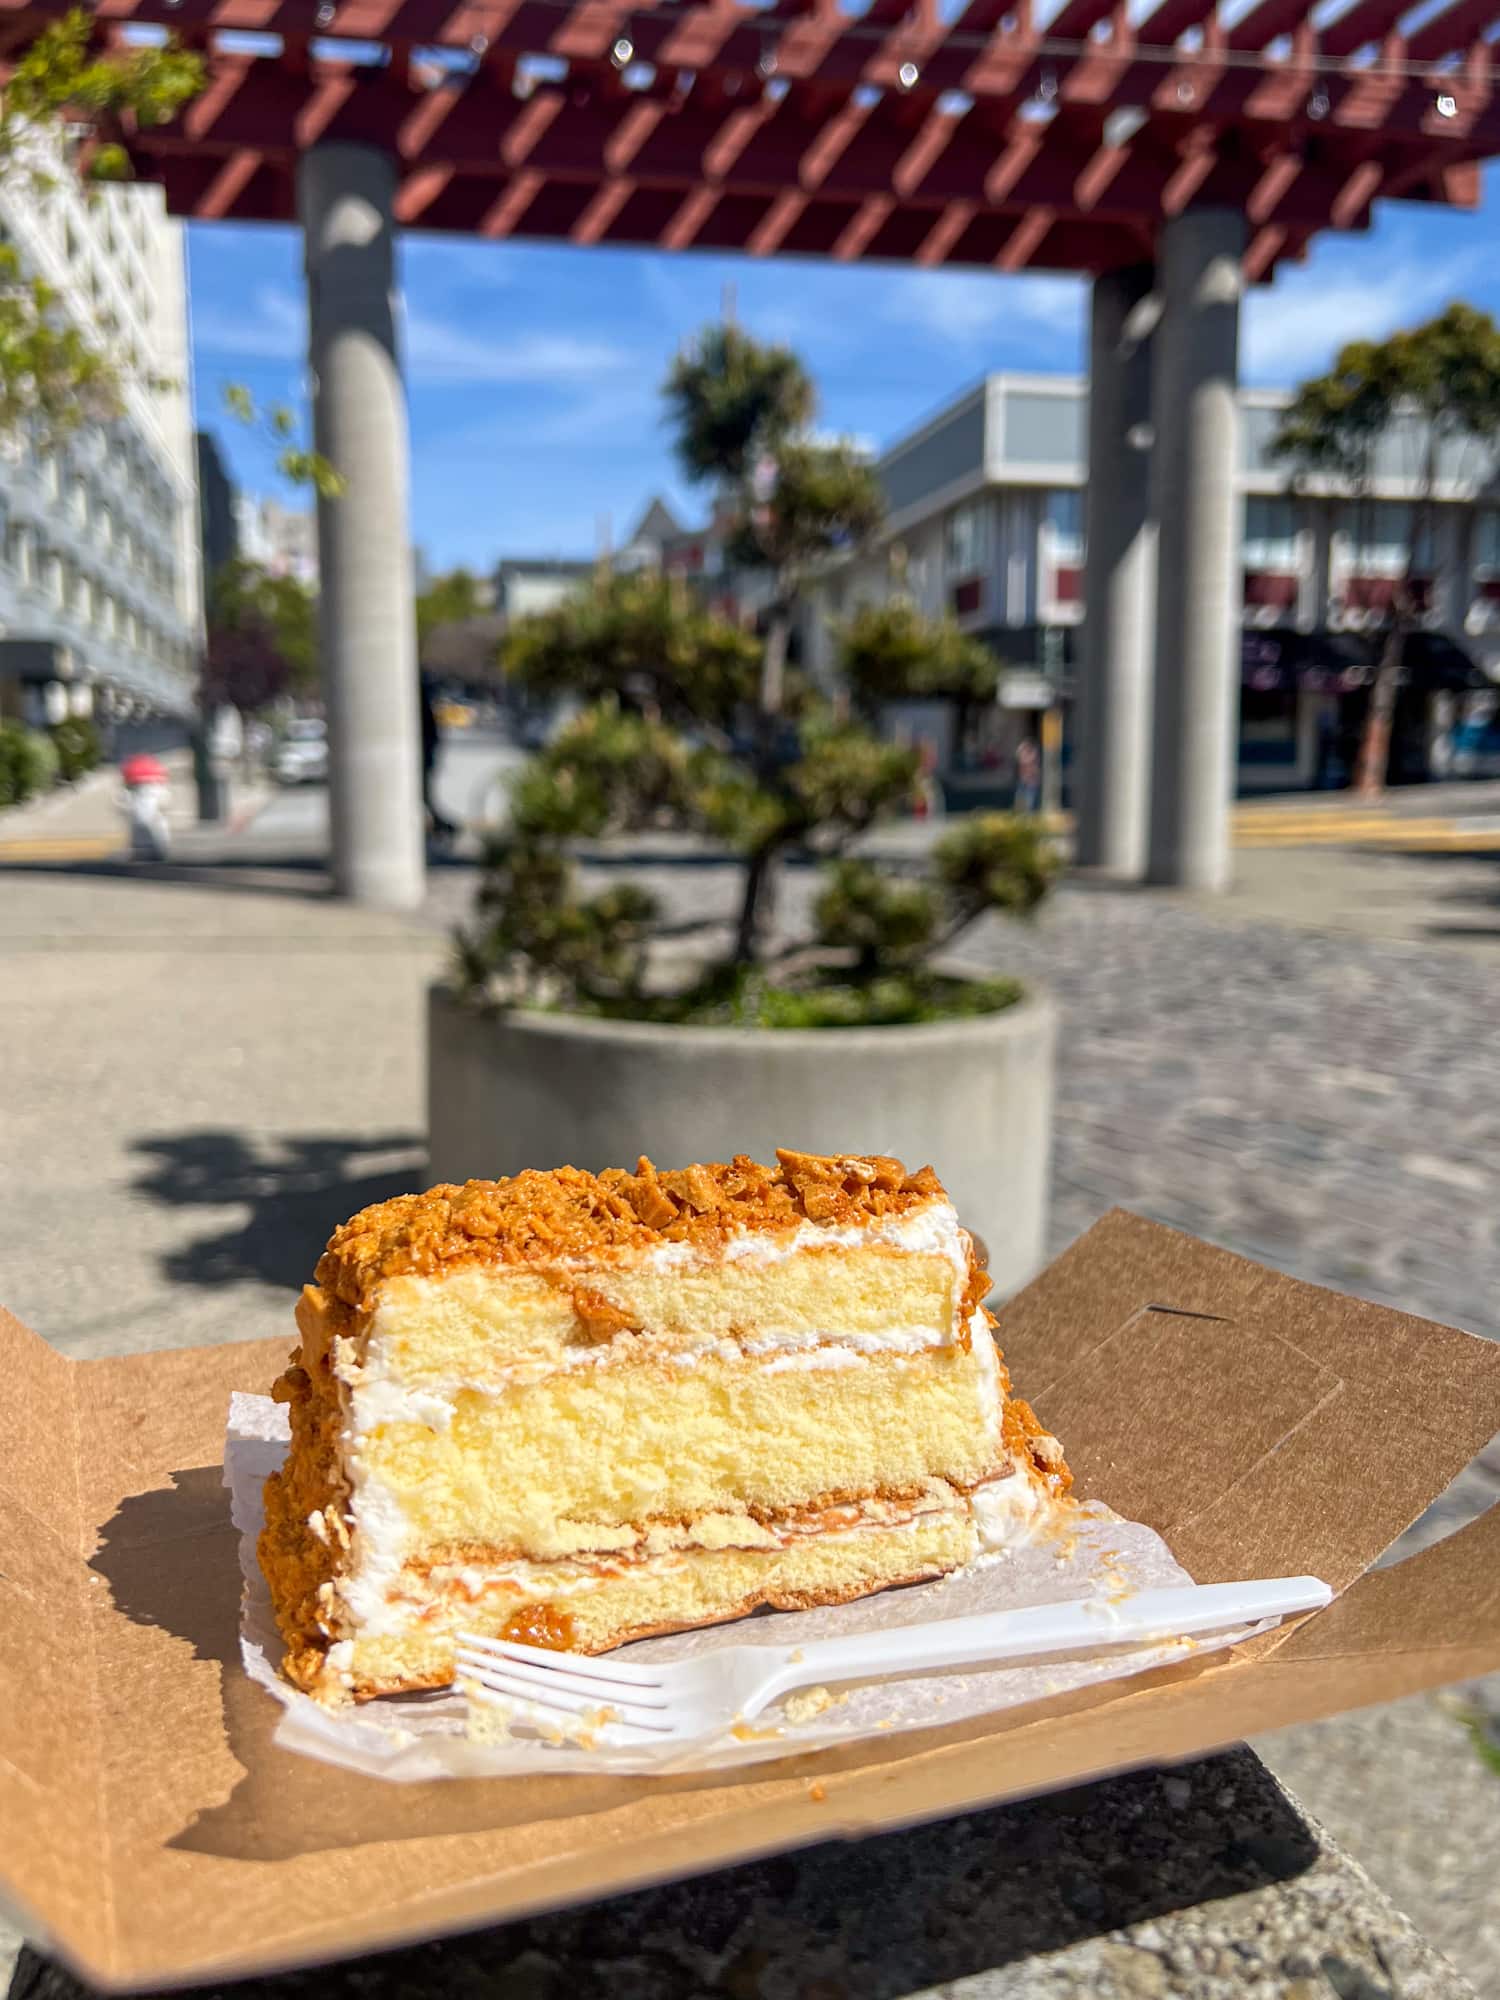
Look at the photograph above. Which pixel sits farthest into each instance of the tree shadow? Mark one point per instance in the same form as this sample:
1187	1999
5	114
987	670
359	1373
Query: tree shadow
293	1191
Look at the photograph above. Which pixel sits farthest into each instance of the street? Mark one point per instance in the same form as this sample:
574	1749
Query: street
468	788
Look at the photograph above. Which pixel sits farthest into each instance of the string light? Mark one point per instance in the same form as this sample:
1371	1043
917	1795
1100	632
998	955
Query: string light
1065	49
1317	104
907	75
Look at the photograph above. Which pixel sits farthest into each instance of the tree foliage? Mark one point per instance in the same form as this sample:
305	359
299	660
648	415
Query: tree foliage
639	638
890	651
673	737
734	404
1443	378
53	378
451	599
262	638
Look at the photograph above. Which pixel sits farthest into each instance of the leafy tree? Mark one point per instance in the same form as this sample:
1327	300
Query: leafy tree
453	599
262	638
677	733
1445	375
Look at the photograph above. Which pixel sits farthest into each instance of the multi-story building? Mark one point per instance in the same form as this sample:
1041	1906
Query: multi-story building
100	583
986	522
524	585
218	508
281	540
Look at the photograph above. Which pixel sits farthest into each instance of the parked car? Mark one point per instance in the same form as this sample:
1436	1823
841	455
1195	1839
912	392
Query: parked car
302	754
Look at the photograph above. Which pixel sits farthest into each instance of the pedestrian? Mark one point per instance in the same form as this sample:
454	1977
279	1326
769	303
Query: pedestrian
443	829
1028	790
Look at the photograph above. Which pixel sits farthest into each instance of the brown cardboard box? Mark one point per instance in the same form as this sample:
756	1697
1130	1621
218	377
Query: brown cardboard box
151	1833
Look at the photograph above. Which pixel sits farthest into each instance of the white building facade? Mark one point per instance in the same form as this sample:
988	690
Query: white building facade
100	567
986	522
283	541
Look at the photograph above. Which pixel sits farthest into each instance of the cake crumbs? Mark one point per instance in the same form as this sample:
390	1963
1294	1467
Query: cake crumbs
742	1732
811	1703
817	1793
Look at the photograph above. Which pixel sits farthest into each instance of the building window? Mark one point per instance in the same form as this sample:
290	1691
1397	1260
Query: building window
1064	517
1487	541
965	545
1380	538
1270	534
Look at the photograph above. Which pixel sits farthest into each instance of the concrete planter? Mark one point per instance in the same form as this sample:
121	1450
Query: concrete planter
973	1098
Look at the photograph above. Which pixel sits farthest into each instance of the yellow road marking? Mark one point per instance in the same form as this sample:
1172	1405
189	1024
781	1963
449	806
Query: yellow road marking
78	848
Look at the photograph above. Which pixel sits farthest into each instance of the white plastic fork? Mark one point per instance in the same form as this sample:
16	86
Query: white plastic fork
617	1703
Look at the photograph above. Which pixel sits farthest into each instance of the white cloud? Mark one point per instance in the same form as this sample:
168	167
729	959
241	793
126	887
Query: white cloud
440	353
275	329
970	309
1296	325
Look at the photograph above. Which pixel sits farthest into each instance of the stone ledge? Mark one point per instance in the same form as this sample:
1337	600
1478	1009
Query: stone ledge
1201	1883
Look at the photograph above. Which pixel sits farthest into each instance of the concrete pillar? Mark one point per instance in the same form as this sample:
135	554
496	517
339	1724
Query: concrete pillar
1195	374
1114	690
367	622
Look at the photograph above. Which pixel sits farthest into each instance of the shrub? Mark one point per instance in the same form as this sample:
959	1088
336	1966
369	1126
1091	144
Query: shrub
76	742
28	763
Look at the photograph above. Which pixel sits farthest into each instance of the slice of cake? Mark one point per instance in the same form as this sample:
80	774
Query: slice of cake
577	1410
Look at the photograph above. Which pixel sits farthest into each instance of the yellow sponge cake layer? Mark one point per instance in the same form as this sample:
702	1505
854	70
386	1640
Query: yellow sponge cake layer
627	1403
590	1614
572	1460
475	1325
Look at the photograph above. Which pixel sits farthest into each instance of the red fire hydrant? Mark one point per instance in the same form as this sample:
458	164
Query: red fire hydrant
147	788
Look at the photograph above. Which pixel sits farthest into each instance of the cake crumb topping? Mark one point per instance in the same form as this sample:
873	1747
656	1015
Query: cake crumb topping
544	1217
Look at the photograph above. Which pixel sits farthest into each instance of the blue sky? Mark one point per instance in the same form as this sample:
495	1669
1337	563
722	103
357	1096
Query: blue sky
534	372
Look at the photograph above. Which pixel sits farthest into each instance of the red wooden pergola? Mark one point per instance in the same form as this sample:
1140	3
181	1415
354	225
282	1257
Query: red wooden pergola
982	140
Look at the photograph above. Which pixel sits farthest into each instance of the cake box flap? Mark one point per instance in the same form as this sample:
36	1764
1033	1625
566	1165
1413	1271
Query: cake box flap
174	1842
1263	1426
53	1862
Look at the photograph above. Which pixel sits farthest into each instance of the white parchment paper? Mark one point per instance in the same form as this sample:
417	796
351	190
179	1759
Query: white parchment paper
1093	1554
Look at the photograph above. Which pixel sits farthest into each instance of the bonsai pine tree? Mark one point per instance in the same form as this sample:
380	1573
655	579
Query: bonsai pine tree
691	724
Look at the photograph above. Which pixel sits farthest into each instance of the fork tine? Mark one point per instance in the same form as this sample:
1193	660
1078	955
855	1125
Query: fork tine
554	1688
532	1709
587	1666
